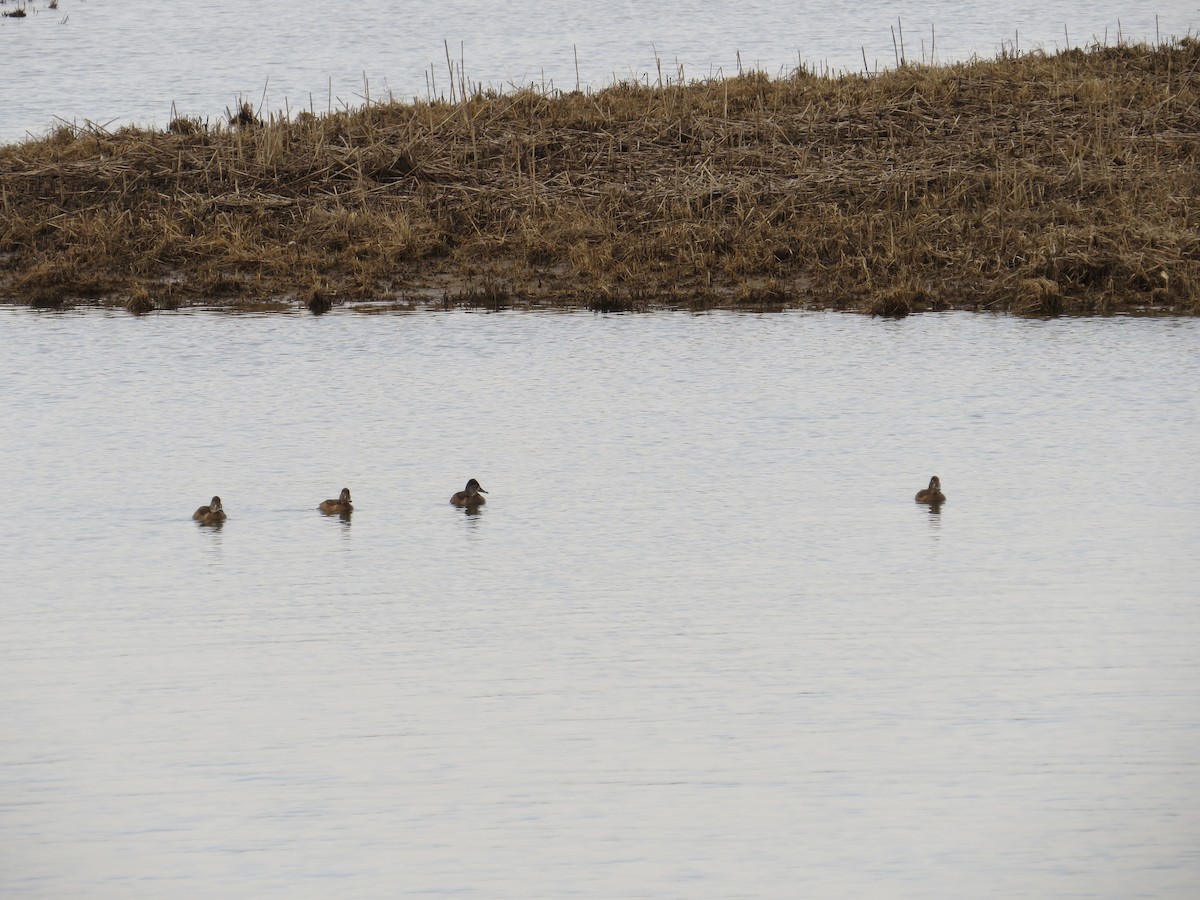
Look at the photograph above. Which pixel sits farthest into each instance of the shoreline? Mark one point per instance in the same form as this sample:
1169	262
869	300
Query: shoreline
1032	184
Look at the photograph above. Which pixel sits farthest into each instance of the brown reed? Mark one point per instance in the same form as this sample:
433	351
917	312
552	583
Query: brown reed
1031	183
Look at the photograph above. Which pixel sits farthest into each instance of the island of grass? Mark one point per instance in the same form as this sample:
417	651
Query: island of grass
1035	184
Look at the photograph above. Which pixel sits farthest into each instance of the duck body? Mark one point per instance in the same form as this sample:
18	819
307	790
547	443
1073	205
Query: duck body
933	493
340	505
470	495
212	514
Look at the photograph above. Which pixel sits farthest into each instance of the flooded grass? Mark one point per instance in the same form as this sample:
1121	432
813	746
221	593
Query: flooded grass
1035	184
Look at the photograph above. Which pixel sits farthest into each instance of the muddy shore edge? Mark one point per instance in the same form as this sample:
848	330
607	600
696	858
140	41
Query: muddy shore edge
1034	184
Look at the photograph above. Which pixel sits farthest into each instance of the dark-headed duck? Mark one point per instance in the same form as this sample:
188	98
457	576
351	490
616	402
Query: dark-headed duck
340	505
469	496
933	493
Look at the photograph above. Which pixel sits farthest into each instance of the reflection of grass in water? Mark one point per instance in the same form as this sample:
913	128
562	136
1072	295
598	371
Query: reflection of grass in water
21	10
1031	183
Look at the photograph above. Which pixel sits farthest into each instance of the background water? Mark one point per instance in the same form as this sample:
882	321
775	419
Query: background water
114	63
701	642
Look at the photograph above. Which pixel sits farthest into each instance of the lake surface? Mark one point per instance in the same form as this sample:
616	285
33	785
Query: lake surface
134	61
700	642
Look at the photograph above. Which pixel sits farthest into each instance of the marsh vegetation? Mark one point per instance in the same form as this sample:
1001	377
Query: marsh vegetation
1032	183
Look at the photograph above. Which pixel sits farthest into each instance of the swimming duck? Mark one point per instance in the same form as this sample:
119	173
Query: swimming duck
340	505
469	496
212	514
933	493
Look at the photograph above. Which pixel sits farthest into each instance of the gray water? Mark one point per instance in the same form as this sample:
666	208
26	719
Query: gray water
700	642
135	61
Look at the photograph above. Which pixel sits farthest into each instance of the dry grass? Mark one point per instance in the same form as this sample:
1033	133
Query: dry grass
1037	184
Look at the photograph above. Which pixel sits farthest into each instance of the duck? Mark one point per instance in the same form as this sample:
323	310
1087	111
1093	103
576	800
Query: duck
340	505
469	496
933	493
212	514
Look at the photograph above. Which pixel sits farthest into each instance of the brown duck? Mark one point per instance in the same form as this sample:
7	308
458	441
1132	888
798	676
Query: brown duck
469	496
933	493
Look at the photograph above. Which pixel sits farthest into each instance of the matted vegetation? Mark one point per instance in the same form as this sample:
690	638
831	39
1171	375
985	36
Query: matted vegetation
1030	183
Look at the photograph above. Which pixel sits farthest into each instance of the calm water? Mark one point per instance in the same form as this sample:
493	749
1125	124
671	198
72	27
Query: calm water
699	643
113	63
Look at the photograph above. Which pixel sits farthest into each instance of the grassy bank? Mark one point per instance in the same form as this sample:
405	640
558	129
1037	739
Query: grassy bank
1034	184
